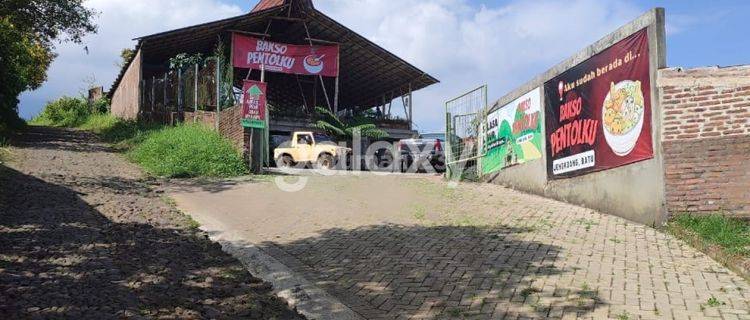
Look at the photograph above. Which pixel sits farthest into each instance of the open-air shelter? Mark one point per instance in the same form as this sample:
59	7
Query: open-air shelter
370	77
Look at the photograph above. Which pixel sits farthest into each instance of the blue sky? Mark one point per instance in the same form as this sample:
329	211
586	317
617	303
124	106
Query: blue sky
464	43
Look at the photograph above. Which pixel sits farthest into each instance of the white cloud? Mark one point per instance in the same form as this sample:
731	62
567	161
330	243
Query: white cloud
119	22
460	43
465	45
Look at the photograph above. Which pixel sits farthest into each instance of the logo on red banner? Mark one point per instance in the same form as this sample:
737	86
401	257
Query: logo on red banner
254	104
252	53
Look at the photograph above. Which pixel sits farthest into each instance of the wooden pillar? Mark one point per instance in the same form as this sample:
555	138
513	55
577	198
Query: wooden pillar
164	89
195	94
411	114
218	94
336	96
153	94
179	94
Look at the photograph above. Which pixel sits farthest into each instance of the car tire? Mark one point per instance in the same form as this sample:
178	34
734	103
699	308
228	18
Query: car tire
284	161
326	161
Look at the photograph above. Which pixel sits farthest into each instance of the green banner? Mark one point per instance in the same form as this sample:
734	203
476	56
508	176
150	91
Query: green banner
514	133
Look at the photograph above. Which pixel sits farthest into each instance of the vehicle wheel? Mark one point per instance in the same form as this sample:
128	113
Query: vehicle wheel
386	161
326	161
284	161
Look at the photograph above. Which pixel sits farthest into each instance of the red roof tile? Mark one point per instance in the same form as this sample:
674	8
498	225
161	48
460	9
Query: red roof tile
267	4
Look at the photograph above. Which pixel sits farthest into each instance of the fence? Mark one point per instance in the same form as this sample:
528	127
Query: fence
194	88
465	134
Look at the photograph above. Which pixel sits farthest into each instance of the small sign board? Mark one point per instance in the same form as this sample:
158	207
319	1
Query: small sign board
254	104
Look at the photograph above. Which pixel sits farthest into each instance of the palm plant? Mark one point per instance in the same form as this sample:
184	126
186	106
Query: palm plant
340	129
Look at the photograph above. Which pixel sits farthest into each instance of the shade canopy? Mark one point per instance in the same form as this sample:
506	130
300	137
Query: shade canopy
368	73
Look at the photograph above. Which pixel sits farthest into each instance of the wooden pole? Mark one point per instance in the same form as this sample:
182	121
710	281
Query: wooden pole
336	88
195	94
218	93
302	93
153	94
164	85
179	94
325	92
411	118
322	83
336	96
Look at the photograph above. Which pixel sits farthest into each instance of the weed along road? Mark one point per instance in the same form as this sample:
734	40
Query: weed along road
401	246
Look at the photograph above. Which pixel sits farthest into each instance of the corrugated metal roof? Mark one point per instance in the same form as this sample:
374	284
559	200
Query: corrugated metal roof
267	4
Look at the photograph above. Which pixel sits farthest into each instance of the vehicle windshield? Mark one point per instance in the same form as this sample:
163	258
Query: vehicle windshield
321	138
438	136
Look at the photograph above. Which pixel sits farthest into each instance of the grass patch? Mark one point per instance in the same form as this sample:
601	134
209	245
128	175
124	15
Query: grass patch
63	112
713	302
730	234
4	151
187	151
124	134
526	292
175	152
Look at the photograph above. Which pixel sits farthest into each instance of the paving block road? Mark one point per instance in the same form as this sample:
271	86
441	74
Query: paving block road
414	248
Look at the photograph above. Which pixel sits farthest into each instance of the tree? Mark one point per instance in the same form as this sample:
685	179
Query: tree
21	58
49	20
28	30
344	130
125	56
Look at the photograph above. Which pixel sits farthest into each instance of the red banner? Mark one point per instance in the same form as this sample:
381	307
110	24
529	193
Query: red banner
254	104
598	113
252	53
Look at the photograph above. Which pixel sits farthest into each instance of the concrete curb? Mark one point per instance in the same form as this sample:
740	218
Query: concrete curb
309	300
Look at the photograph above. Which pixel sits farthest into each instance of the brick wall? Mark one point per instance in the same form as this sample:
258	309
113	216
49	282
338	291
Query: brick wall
230	123
230	126
706	139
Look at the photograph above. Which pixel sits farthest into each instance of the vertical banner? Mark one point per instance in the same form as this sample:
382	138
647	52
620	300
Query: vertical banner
598	113
252	53
514	133
254	104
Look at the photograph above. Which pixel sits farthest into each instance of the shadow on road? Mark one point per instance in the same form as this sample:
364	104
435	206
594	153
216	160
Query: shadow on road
62	258
60	139
388	271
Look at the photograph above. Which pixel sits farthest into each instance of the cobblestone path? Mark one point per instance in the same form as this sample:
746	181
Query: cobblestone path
84	236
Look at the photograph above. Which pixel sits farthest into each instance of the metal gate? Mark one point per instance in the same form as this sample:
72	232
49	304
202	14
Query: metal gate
465	134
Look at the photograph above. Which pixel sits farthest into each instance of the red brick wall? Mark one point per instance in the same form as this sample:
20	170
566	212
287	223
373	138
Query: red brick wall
230	126
706	139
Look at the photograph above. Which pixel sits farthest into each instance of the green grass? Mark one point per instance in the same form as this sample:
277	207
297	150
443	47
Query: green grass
187	151
4	152
732	235
99	123
63	112
175	152
713	302
125	134
623	316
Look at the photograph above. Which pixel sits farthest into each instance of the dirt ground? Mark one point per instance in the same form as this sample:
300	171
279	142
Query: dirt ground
412	247
84	235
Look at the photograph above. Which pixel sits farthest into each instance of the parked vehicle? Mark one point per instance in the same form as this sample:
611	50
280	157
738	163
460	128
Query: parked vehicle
428	148
309	148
